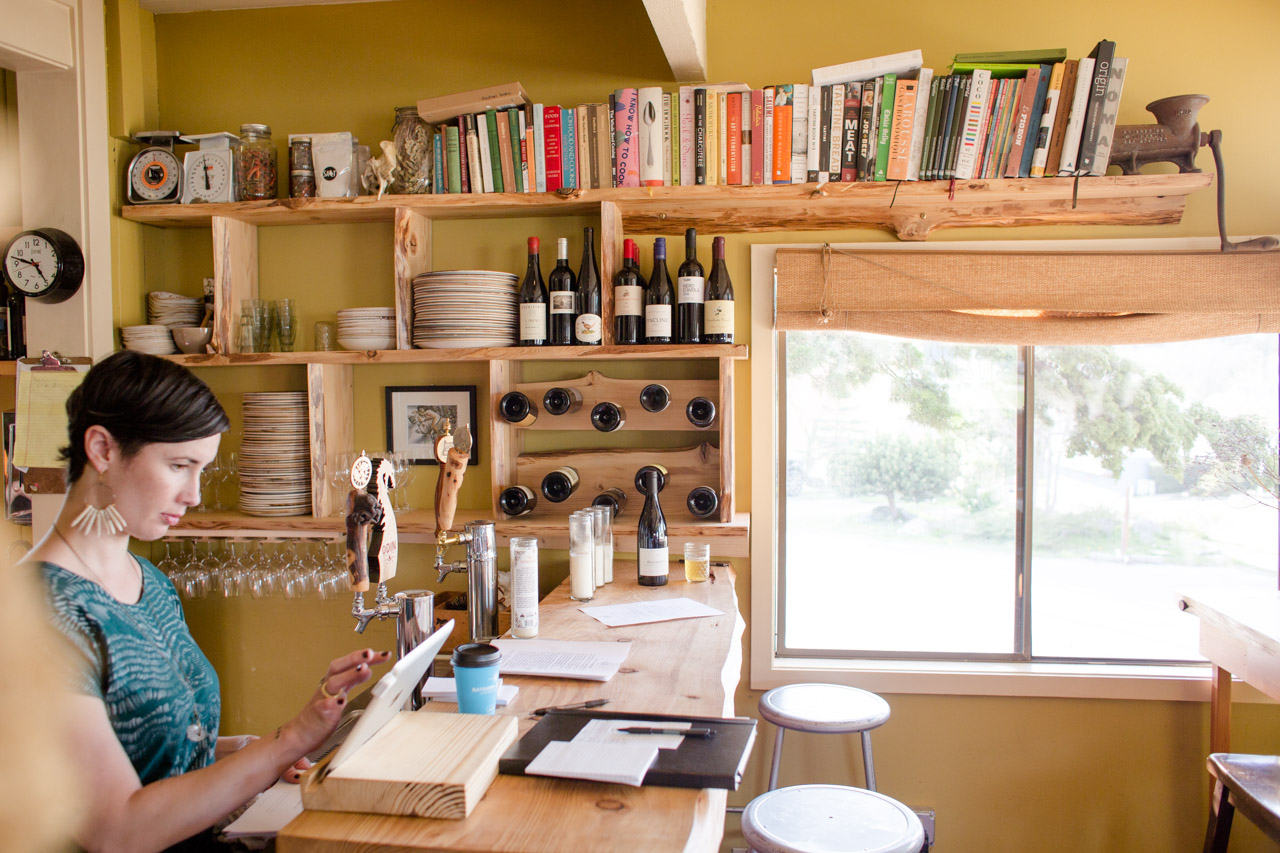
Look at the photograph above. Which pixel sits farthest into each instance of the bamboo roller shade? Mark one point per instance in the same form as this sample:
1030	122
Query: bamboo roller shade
1029	297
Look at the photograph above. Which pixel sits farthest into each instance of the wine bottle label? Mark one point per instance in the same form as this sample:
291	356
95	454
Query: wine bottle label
533	321
718	319
628	299
562	301
654	562
587	328
657	321
691	288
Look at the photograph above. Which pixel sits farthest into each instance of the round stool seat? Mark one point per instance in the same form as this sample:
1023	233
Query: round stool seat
830	819
823	708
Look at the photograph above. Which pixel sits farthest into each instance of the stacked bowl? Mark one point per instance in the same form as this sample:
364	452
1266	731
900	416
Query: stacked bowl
465	308
173	310
156	340
367	328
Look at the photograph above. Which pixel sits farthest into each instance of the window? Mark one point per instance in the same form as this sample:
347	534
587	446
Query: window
903	529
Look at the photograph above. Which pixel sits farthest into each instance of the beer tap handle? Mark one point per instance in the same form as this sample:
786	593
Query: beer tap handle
452	469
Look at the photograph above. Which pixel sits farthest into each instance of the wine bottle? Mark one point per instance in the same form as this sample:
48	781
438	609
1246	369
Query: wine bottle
517	409
628	298
4	333
562	401
703	502
655	398
691	290
532	297
560	286
718	316
615	499
587	327
652	566
16	302
560	484
517	500
701	412
642	486
608	417
658	298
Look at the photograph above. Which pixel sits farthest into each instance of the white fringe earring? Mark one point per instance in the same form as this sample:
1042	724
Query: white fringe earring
100	521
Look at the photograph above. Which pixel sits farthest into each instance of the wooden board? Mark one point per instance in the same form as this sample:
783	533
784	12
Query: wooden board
595	388
427	356
419	764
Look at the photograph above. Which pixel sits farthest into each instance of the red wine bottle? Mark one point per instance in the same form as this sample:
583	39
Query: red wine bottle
518	409
615	499
653	564
655	398
691	292
560	290
642	475
560	484
628	298
702	501
718	317
701	412
532	297
517	500
562	401
587	326
658	298
608	417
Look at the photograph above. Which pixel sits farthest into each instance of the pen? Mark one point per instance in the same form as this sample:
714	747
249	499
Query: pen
641	730
576	706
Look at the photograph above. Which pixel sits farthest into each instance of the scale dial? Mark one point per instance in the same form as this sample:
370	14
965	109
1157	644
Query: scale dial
207	177
155	176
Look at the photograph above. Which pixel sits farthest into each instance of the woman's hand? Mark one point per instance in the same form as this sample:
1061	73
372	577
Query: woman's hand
308	730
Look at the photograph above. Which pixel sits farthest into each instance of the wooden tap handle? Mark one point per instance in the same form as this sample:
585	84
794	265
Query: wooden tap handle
360	512
447	486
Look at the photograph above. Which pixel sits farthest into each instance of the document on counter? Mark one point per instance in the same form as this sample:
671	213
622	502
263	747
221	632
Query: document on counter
561	658
620	763
273	808
446	690
641	612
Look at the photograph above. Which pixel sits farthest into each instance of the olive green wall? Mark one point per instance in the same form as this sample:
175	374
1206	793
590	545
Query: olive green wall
1003	773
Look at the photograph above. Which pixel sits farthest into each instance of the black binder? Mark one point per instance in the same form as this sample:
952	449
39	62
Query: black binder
716	762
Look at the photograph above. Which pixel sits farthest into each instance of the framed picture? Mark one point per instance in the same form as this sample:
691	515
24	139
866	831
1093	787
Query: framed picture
416	415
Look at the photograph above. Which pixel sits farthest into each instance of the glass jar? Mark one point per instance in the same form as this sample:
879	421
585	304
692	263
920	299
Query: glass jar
256	163
302	173
412	138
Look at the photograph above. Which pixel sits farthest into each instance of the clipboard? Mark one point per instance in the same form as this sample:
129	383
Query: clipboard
44	384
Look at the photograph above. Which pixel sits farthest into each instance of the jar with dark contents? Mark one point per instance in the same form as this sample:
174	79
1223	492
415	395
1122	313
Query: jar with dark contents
256	163
302	173
412	137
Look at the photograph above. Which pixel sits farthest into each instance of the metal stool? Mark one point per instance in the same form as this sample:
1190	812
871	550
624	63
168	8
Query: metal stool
825	709
830	819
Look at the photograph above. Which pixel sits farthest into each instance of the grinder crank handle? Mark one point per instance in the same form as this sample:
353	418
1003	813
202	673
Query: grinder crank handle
451	473
1257	244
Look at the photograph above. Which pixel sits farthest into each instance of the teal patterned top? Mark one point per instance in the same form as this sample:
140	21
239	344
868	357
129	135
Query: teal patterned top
142	662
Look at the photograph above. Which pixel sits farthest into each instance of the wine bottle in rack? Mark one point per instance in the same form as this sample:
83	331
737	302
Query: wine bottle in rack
628	298
653	564
703	502
517	409
608	417
615	499
691	292
658	298
560	484
517	500
701	412
560	290
642	474
17	326
655	398
717	319
562	401
588	326
532	298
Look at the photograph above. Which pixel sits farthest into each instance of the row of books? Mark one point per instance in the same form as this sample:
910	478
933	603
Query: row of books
1018	114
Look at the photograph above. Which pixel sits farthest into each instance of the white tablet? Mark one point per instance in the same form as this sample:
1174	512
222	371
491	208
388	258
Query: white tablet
390	693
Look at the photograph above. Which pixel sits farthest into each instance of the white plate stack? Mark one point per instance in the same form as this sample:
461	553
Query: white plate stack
172	310
275	454
465	308
157	340
367	328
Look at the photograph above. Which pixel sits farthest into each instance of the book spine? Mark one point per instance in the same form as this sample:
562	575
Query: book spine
604	116
568	149
495	149
439	170
551	141
884	128
517	162
700	136
722	139
1075	122
1053	159
799	133
1000	129
957	125
768	135
1040	156
540	146
474	165
464	156
1015	98
971	133
865	94
624	134
593	145
783	109
582	140
824	134
505	164
649	136
669	162
1110	115
1102	55
904	117
872	127
1022	122
1037	111
924	88
453	159
835	131
613	140
850	122
813	156
733	105
686	137
526	150
757	137
486	156
987	142
744	119
937	103
531	168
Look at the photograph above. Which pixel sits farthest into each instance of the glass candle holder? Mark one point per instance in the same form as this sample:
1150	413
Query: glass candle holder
326	336
582	552
697	561
602	530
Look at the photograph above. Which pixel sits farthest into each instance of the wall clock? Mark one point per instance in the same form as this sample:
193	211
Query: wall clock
155	176
44	264
209	174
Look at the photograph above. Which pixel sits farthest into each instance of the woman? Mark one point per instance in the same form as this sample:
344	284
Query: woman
146	704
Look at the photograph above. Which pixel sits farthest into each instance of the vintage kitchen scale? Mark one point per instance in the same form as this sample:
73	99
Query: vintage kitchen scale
154	174
209	173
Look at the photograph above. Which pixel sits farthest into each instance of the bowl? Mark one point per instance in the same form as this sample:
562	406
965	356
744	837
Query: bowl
192	339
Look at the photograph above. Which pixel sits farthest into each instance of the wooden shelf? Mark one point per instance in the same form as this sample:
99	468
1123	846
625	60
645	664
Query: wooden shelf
910	209
428	356
731	539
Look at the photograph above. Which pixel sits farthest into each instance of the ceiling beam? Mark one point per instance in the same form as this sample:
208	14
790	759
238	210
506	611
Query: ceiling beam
681	26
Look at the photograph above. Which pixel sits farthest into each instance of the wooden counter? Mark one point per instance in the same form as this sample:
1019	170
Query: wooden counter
689	667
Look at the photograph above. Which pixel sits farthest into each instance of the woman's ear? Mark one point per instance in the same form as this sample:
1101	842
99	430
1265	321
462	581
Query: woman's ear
100	448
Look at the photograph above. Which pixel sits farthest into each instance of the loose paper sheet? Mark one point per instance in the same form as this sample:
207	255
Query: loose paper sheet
620	763
274	808
607	731
446	690
639	613
561	658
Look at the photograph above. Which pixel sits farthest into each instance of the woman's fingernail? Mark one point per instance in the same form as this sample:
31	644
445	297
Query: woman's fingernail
342	700
360	667
367	654
384	654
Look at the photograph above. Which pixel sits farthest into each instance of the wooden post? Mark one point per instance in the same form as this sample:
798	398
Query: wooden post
504	442
610	263
726	440
235	278
412	257
331	403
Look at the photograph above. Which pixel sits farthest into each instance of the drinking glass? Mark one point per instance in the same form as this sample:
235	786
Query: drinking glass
602	531
582	553
326	336
286	324
697	561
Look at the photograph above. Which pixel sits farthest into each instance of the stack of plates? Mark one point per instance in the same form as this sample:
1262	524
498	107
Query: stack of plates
275	455
465	308
157	340
367	328
172	310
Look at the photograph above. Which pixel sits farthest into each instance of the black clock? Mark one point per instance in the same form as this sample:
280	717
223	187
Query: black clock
44	264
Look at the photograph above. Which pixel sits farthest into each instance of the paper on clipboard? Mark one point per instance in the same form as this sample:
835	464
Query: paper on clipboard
41	410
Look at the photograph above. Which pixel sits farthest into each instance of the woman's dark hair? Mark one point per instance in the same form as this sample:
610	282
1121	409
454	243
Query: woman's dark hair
140	399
